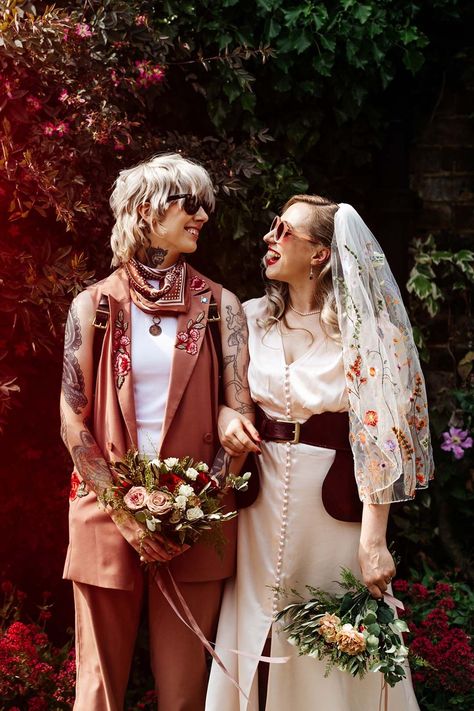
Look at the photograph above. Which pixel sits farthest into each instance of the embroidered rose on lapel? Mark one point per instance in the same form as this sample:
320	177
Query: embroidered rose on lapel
187	340
196	283
121	357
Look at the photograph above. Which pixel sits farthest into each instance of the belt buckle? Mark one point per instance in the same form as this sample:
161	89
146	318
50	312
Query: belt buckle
296	433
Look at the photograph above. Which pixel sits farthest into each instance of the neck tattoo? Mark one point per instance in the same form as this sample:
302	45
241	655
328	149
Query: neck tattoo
155	256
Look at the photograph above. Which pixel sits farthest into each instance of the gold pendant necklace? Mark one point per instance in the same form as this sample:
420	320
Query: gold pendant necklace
155	328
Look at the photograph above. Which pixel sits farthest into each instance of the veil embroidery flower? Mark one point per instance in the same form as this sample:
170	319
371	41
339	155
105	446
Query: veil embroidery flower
388	415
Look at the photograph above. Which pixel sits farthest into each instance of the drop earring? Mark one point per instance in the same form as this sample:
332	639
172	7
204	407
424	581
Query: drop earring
311	275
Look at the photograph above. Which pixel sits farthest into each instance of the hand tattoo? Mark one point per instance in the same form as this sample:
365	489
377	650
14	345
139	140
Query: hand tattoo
237	325
73	378
155	256
90	463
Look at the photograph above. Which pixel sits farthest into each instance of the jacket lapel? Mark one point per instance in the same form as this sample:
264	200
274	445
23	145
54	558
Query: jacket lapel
190	336
121	334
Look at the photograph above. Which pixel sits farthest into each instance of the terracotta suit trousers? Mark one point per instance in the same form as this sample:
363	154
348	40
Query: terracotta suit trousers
106	629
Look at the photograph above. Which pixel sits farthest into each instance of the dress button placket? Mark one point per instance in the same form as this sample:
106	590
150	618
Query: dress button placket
286	486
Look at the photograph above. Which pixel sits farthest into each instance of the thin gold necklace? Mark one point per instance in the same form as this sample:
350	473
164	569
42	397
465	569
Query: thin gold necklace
301	313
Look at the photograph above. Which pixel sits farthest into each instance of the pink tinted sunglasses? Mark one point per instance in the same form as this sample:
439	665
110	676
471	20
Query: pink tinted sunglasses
282	228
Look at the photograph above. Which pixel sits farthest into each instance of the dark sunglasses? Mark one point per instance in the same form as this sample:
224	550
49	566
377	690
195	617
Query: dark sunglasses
191	203
282	228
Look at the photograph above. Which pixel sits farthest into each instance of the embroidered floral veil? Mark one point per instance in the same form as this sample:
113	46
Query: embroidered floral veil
387	398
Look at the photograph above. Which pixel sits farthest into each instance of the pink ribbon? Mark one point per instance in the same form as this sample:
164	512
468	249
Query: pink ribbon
190	622
393	601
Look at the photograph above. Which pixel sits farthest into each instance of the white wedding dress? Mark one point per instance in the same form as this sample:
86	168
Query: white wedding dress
286	539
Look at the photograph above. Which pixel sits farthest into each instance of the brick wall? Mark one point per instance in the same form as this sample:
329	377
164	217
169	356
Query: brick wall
442	165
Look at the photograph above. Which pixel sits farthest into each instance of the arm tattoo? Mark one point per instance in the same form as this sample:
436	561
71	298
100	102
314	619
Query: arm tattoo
90	463
73	378
237	327
63	427
155	256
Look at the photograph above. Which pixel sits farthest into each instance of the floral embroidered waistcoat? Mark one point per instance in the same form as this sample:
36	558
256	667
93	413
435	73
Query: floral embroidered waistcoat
97	553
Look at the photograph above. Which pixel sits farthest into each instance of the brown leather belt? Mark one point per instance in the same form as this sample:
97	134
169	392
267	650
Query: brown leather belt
329	430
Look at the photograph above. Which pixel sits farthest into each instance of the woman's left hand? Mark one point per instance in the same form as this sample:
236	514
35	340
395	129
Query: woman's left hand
377	567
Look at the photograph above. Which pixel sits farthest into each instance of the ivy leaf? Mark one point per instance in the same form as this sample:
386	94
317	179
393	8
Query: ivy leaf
362	13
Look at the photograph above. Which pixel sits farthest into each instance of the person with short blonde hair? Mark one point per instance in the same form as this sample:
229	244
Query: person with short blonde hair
155	388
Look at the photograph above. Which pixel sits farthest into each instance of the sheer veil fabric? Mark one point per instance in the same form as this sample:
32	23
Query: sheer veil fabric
389	427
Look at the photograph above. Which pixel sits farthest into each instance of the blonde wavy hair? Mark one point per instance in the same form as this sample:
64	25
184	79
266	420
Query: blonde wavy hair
151	181
321	228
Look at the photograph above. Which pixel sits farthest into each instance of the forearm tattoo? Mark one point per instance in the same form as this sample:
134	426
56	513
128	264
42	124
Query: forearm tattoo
63	427
233	377
155	256
73	378
90	463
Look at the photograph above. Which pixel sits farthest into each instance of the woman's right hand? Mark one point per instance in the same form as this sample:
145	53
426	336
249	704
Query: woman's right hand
237	434
151	548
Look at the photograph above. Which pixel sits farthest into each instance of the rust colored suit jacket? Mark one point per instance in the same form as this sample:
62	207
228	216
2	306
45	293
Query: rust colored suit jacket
97	553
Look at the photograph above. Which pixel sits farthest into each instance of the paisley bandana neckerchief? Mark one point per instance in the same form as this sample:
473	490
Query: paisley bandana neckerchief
172	296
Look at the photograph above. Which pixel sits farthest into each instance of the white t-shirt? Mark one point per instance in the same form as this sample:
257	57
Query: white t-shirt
152	357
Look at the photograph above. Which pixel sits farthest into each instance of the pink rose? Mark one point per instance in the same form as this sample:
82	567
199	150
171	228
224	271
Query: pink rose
125	341
135	498
122	363
194	334
191	348
159	503
182	337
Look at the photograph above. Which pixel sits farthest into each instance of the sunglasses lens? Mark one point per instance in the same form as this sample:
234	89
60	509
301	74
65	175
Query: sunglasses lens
280	231
192	205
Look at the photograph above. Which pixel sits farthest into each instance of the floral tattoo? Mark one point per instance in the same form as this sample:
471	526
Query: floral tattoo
90	463
233	377
73	378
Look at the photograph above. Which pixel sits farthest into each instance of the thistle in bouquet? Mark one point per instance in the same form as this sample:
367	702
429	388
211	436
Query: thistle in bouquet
351	630
176	497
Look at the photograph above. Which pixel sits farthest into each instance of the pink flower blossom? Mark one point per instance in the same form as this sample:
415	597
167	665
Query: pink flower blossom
456	441
191	348
33	104
83	30
135	498
159	503
194	334
64	95
62	128
148	73
49	128
182	337
122	364
141	20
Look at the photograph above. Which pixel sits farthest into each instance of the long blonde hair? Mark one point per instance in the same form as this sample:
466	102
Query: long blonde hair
321	228
151	181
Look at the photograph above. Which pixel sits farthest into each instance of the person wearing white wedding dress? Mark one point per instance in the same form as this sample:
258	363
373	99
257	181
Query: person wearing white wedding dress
339	392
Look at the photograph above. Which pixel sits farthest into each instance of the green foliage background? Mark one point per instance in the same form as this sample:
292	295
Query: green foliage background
275	97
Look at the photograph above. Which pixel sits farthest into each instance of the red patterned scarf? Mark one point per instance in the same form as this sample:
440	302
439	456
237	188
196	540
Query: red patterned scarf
172	296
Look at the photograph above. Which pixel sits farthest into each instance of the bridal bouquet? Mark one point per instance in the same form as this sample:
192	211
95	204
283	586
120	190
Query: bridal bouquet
176	497
350	631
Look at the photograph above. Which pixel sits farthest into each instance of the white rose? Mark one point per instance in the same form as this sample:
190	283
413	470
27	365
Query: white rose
156	462
171	462
186	490
192	474
194	514
181	502
202	467
347	627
